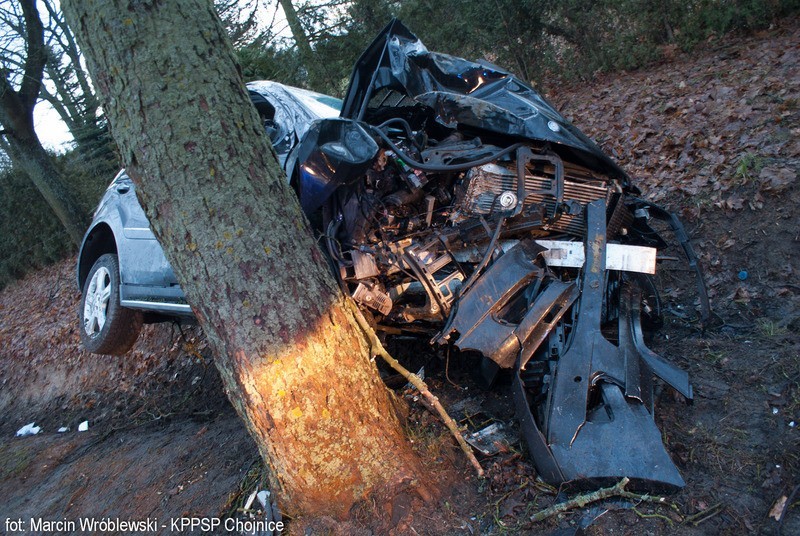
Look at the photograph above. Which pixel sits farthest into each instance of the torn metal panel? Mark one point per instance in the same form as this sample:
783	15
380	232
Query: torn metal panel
545	313
477	321
570	389
597	423
461	92
675	377
618	439
691	257
546	464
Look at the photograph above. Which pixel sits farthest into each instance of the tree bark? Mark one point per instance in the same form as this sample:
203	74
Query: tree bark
294	363
16	115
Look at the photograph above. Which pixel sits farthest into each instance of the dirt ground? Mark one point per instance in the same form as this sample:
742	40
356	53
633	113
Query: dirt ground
714	135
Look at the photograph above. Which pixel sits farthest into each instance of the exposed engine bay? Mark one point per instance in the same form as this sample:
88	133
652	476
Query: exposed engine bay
457	204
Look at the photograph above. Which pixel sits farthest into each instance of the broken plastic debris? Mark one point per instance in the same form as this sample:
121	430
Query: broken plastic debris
263	498
776	512
271	512
84	426
490	440
28	429
63	429
250	500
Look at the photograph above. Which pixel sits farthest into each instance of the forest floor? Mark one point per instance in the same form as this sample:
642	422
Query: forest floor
714	136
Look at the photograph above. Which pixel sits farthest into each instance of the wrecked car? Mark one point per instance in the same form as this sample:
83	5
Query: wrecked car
456	204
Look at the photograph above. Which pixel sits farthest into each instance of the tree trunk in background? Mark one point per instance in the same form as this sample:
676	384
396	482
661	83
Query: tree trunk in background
301	40
73	99
26	151
16	115
293	361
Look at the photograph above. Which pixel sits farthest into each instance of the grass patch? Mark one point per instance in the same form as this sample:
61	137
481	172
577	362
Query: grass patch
748	167
14	461
770	328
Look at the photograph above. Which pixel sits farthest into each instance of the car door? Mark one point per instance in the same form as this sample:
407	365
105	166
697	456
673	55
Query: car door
142	261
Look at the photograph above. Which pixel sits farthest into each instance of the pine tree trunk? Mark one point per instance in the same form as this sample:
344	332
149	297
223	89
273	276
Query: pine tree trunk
292	359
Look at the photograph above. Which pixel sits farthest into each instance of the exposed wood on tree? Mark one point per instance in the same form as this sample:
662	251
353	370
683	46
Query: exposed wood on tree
293	360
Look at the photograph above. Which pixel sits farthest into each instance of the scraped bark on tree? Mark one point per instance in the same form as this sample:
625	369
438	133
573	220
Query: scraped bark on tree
292	358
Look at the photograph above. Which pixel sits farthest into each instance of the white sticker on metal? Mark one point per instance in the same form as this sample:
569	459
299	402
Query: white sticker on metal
618	256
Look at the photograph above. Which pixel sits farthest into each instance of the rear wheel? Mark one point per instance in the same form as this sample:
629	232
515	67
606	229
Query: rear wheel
106	326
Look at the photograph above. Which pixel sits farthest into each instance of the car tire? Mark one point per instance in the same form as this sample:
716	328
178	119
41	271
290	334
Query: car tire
106	326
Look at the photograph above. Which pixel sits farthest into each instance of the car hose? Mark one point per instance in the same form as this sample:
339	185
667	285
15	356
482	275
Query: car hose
409	131
485	260
442	168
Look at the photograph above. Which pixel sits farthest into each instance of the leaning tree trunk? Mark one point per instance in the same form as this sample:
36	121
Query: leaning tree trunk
27	153
292	359
16	116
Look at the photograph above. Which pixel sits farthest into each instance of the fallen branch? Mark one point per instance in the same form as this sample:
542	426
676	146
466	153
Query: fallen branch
705	515
378	350
654	515
618	490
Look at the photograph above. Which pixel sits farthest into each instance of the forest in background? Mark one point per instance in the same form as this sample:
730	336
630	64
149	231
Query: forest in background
315	46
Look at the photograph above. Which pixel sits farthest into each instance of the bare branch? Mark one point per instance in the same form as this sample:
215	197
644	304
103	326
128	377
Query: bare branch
37	54
416	381
579	501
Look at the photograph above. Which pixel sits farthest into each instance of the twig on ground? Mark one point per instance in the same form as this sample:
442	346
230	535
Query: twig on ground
378	349
705	515
618	490
654	515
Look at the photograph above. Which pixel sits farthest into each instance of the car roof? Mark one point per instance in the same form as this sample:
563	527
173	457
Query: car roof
318	105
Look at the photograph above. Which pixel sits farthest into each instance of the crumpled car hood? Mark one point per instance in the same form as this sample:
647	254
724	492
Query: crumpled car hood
465	93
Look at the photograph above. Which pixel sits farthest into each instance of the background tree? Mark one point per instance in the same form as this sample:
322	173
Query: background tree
289	350
67	89
318	52
72	95
240	18
25	68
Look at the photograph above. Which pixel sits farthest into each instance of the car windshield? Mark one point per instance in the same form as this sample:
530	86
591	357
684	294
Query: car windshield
322	105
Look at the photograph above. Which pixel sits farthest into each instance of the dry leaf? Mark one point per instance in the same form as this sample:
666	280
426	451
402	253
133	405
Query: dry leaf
777	509
775	179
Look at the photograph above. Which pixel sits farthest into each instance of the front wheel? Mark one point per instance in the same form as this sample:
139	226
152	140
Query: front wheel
106	326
